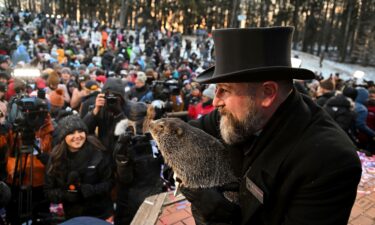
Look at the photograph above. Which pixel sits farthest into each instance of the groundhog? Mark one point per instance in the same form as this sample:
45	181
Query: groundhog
197	158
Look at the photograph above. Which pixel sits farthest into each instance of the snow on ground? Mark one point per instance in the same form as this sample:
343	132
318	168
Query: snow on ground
311	62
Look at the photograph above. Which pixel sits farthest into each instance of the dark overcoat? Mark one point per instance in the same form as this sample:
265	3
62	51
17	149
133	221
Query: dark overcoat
301	169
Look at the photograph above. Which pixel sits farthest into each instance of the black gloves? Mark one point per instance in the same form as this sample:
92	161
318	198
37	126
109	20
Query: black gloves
124	168
210	206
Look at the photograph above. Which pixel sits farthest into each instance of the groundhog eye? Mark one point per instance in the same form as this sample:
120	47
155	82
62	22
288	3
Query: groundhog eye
161	126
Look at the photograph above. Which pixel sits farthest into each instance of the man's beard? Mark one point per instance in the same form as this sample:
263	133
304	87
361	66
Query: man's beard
235	131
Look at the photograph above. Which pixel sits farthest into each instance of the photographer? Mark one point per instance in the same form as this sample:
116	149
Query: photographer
110	108
138	168
33	129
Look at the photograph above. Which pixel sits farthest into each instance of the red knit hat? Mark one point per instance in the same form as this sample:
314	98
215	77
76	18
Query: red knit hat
56	97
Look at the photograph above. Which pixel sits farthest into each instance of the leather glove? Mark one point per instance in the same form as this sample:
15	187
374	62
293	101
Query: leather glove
72	196
210	206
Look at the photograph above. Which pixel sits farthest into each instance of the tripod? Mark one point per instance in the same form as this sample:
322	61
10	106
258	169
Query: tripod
22	181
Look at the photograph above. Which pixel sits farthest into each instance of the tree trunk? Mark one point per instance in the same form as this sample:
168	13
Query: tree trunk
233	20
323	34
330	28
295	23
344	45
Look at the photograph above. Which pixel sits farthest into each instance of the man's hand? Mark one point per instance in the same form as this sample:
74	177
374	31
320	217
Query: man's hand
99	103
210	205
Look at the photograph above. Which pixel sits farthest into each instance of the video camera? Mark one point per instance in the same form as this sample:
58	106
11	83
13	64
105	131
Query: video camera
164	89
30	114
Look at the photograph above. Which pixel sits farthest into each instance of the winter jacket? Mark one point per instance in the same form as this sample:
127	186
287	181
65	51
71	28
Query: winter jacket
290	173
93	183
340	109
106	123
200	109
143	94
362	113
321	100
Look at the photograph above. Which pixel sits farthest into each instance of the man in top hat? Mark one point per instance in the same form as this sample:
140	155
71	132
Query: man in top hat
294	164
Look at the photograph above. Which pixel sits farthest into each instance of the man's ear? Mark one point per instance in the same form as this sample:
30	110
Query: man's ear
270	90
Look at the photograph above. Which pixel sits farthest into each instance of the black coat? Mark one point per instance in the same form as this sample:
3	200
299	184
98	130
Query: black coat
95	184
302	169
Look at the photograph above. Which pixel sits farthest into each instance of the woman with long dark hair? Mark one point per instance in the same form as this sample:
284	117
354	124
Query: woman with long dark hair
79	172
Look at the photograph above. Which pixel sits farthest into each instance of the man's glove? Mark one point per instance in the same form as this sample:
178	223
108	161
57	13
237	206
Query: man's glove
72	195
124	168
209	204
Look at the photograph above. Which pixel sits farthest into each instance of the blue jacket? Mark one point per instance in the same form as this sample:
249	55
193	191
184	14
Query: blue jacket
362	112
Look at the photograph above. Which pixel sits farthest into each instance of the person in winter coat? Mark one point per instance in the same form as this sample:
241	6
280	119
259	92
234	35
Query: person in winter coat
204	106
88	102
110	108
79	173
141	92
138	167
326	90
283	147
366	135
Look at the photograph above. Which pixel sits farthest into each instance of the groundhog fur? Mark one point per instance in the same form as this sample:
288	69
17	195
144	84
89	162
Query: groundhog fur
197	158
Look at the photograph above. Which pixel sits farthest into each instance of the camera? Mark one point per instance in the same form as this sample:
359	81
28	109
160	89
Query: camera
110	98
165	89
30	114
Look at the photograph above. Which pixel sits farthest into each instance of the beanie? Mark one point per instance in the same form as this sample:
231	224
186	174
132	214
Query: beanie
53	79
327	84
68	125
350	92
141	76
40	83
210	91
56	97
92	85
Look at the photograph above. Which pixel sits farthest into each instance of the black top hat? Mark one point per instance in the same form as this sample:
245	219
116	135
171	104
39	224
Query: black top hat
253	54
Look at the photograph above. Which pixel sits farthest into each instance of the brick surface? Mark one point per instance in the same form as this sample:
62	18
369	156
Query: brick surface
356	211
363	220
364	203
371	213
174	217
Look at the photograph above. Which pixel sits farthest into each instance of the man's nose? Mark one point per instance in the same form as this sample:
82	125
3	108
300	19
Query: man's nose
217	102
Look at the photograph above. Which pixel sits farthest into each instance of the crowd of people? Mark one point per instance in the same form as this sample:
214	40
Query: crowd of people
87	113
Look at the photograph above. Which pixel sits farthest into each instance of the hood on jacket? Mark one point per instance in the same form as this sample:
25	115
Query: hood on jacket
362	95
115	86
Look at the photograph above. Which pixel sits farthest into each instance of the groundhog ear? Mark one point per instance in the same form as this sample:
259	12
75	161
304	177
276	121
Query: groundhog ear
179	131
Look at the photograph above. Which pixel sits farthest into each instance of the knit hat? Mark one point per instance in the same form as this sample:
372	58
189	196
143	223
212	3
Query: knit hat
350	92
115	86
53	79
210	91
40	83
66	70
68	125
91	85
327	84
56	97
141	76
